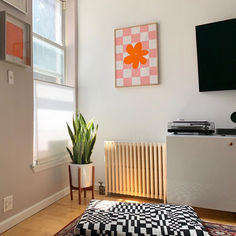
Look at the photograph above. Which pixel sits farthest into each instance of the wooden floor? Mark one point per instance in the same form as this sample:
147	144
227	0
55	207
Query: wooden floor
50	220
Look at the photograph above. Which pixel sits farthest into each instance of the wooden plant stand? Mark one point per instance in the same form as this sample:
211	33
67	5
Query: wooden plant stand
80	190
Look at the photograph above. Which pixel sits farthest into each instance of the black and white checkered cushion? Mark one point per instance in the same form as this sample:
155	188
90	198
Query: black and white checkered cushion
119	218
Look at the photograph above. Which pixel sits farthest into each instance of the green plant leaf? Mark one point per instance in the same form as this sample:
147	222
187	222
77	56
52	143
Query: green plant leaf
74	126
77	156
71	155
71	134
83	139
82	120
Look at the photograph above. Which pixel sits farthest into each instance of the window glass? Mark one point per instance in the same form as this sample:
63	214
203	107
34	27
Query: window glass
48	61
47	19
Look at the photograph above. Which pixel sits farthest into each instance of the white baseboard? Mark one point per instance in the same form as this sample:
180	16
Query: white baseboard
13	220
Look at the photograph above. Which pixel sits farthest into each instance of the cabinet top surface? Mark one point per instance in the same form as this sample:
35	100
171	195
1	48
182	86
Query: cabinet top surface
201	136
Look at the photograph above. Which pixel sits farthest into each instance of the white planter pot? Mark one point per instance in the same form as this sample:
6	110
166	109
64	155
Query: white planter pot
86	174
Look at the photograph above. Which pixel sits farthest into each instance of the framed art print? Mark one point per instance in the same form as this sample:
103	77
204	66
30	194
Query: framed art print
15	40
21	5
136	56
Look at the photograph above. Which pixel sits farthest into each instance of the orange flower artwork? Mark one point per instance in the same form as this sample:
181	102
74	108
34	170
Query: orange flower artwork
136	55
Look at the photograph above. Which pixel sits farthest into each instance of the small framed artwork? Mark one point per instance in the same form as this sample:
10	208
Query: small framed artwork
15	40
136	56
21	5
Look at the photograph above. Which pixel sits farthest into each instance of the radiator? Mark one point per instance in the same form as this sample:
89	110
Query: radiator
135	169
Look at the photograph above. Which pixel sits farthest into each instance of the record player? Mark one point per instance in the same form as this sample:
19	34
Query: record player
191	127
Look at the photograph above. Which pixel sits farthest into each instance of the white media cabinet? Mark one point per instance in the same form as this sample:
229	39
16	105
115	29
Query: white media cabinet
201	171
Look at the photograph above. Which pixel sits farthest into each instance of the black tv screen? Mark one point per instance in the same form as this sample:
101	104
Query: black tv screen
216	51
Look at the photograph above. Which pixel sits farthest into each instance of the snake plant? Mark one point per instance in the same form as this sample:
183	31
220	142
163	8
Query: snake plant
83	138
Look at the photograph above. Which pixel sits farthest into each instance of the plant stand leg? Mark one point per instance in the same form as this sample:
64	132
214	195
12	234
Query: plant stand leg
79	185
71	191
84	193
93	181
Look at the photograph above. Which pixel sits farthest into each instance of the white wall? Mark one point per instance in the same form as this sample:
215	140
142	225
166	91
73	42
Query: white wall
142	113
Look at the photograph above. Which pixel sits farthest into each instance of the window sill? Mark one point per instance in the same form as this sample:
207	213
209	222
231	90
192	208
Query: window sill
53	163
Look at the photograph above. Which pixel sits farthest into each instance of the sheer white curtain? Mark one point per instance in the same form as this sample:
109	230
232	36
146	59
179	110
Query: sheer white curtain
54	106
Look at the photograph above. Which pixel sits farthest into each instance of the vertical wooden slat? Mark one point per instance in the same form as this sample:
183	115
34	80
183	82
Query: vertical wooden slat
155	171
109	167
124	169
135	170
117	169
131	169
164	173
113	166
127	168
151	170
160	171
106	168
79	185
70	179
143	172
93	182
120	170
147	171
139	170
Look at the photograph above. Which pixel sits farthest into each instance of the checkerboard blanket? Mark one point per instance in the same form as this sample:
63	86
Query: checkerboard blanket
119	218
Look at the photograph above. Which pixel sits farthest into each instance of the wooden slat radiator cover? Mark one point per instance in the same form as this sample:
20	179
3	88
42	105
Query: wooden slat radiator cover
136	169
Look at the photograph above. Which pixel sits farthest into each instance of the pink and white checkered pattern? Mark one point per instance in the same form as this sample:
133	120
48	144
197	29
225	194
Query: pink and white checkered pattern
145	74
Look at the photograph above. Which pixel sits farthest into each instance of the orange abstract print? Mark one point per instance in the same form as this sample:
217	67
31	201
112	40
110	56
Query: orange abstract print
136	58
136	55
14	40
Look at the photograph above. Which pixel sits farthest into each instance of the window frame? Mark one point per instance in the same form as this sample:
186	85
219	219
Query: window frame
51	161
54	44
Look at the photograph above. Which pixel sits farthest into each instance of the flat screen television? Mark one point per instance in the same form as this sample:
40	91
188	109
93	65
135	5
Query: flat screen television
216	51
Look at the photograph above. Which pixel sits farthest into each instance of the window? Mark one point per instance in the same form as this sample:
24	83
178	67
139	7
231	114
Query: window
48	40
54	101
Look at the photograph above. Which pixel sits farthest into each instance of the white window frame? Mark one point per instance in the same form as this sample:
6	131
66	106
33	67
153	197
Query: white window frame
62	47
39	165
